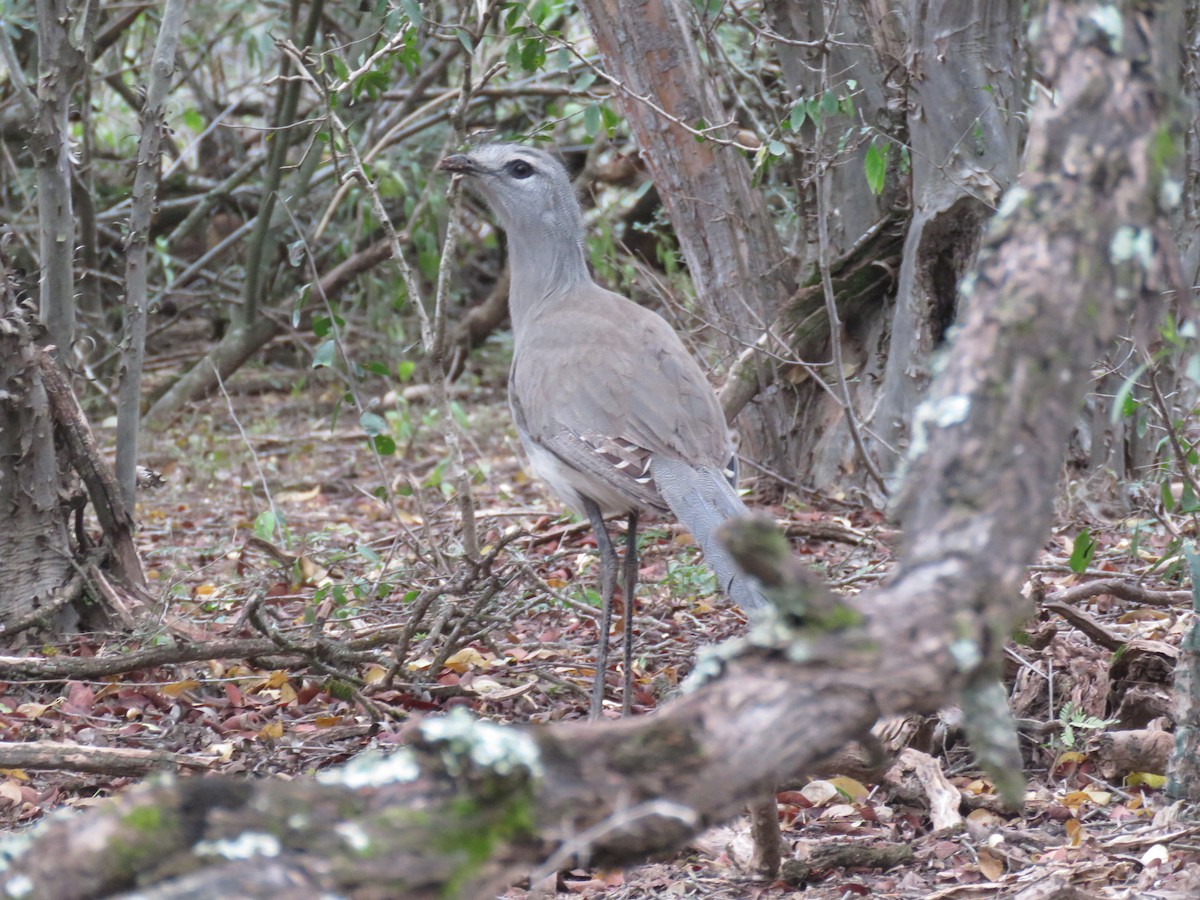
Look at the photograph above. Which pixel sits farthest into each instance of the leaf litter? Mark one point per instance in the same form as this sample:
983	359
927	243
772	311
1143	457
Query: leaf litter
335	566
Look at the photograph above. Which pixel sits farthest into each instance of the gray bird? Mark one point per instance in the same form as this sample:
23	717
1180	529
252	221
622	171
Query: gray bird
613	412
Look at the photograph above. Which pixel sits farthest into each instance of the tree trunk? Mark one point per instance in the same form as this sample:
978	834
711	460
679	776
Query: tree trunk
966	78
59	69
35	542
145	189
467	807
943	80
47	459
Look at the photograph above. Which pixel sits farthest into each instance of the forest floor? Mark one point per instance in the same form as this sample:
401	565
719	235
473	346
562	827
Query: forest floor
270	522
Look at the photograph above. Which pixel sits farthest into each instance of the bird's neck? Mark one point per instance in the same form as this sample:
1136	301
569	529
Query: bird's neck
545	268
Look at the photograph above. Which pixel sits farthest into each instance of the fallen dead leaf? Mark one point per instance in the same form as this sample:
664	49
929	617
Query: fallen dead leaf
991	864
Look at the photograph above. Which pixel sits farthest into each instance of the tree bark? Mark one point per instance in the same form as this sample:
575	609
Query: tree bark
59	69
469	806
943	80
35	541
145	187
966	82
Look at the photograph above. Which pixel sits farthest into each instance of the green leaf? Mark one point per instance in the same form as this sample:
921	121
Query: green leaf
323	325
464	38
384	444
1187	499
412	9
1082	552
1168	498
533	54
512	58
591	120
378	368
373	424
777	148
611	119
875	168
1193	561
264	525
1193	368
193	120
514	13
1120	405
799	114
405	369
1129	406
324	355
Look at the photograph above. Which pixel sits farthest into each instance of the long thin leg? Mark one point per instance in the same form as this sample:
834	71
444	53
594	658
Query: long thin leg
764	831
630	588
608	580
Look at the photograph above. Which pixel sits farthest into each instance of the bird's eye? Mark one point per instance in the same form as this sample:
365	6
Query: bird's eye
518	168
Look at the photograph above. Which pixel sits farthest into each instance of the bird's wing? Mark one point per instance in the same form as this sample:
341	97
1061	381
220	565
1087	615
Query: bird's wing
638	387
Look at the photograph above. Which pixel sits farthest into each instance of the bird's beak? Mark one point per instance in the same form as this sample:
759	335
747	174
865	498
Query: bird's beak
459	164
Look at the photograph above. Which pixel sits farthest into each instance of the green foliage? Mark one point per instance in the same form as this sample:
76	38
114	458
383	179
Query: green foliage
1082	551
875	165
1071	720
688	578
820	108
1140	401
265	525
1192	556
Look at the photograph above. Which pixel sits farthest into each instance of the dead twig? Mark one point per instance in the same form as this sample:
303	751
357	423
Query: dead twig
114	761
1122	589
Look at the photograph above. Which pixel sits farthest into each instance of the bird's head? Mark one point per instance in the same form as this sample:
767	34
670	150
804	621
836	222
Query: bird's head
527	188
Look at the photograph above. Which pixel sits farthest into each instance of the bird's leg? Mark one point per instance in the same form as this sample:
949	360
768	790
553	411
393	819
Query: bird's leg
630	586
608	580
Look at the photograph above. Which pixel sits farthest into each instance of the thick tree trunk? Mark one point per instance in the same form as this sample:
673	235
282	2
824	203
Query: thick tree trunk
35	542
945	81
867	48
966	78
468	806
47	459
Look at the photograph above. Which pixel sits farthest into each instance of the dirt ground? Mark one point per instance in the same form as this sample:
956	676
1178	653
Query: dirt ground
339	563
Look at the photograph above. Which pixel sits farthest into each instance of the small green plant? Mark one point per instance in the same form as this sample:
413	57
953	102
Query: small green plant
687	579
1073	719
1082	552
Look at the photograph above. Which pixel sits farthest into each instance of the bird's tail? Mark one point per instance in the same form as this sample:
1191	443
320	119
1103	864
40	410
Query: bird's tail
701	499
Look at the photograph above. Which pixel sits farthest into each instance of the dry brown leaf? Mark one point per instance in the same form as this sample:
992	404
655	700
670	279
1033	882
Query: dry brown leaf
991	864
11	791
464	659
1075	832
175	688
855	790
